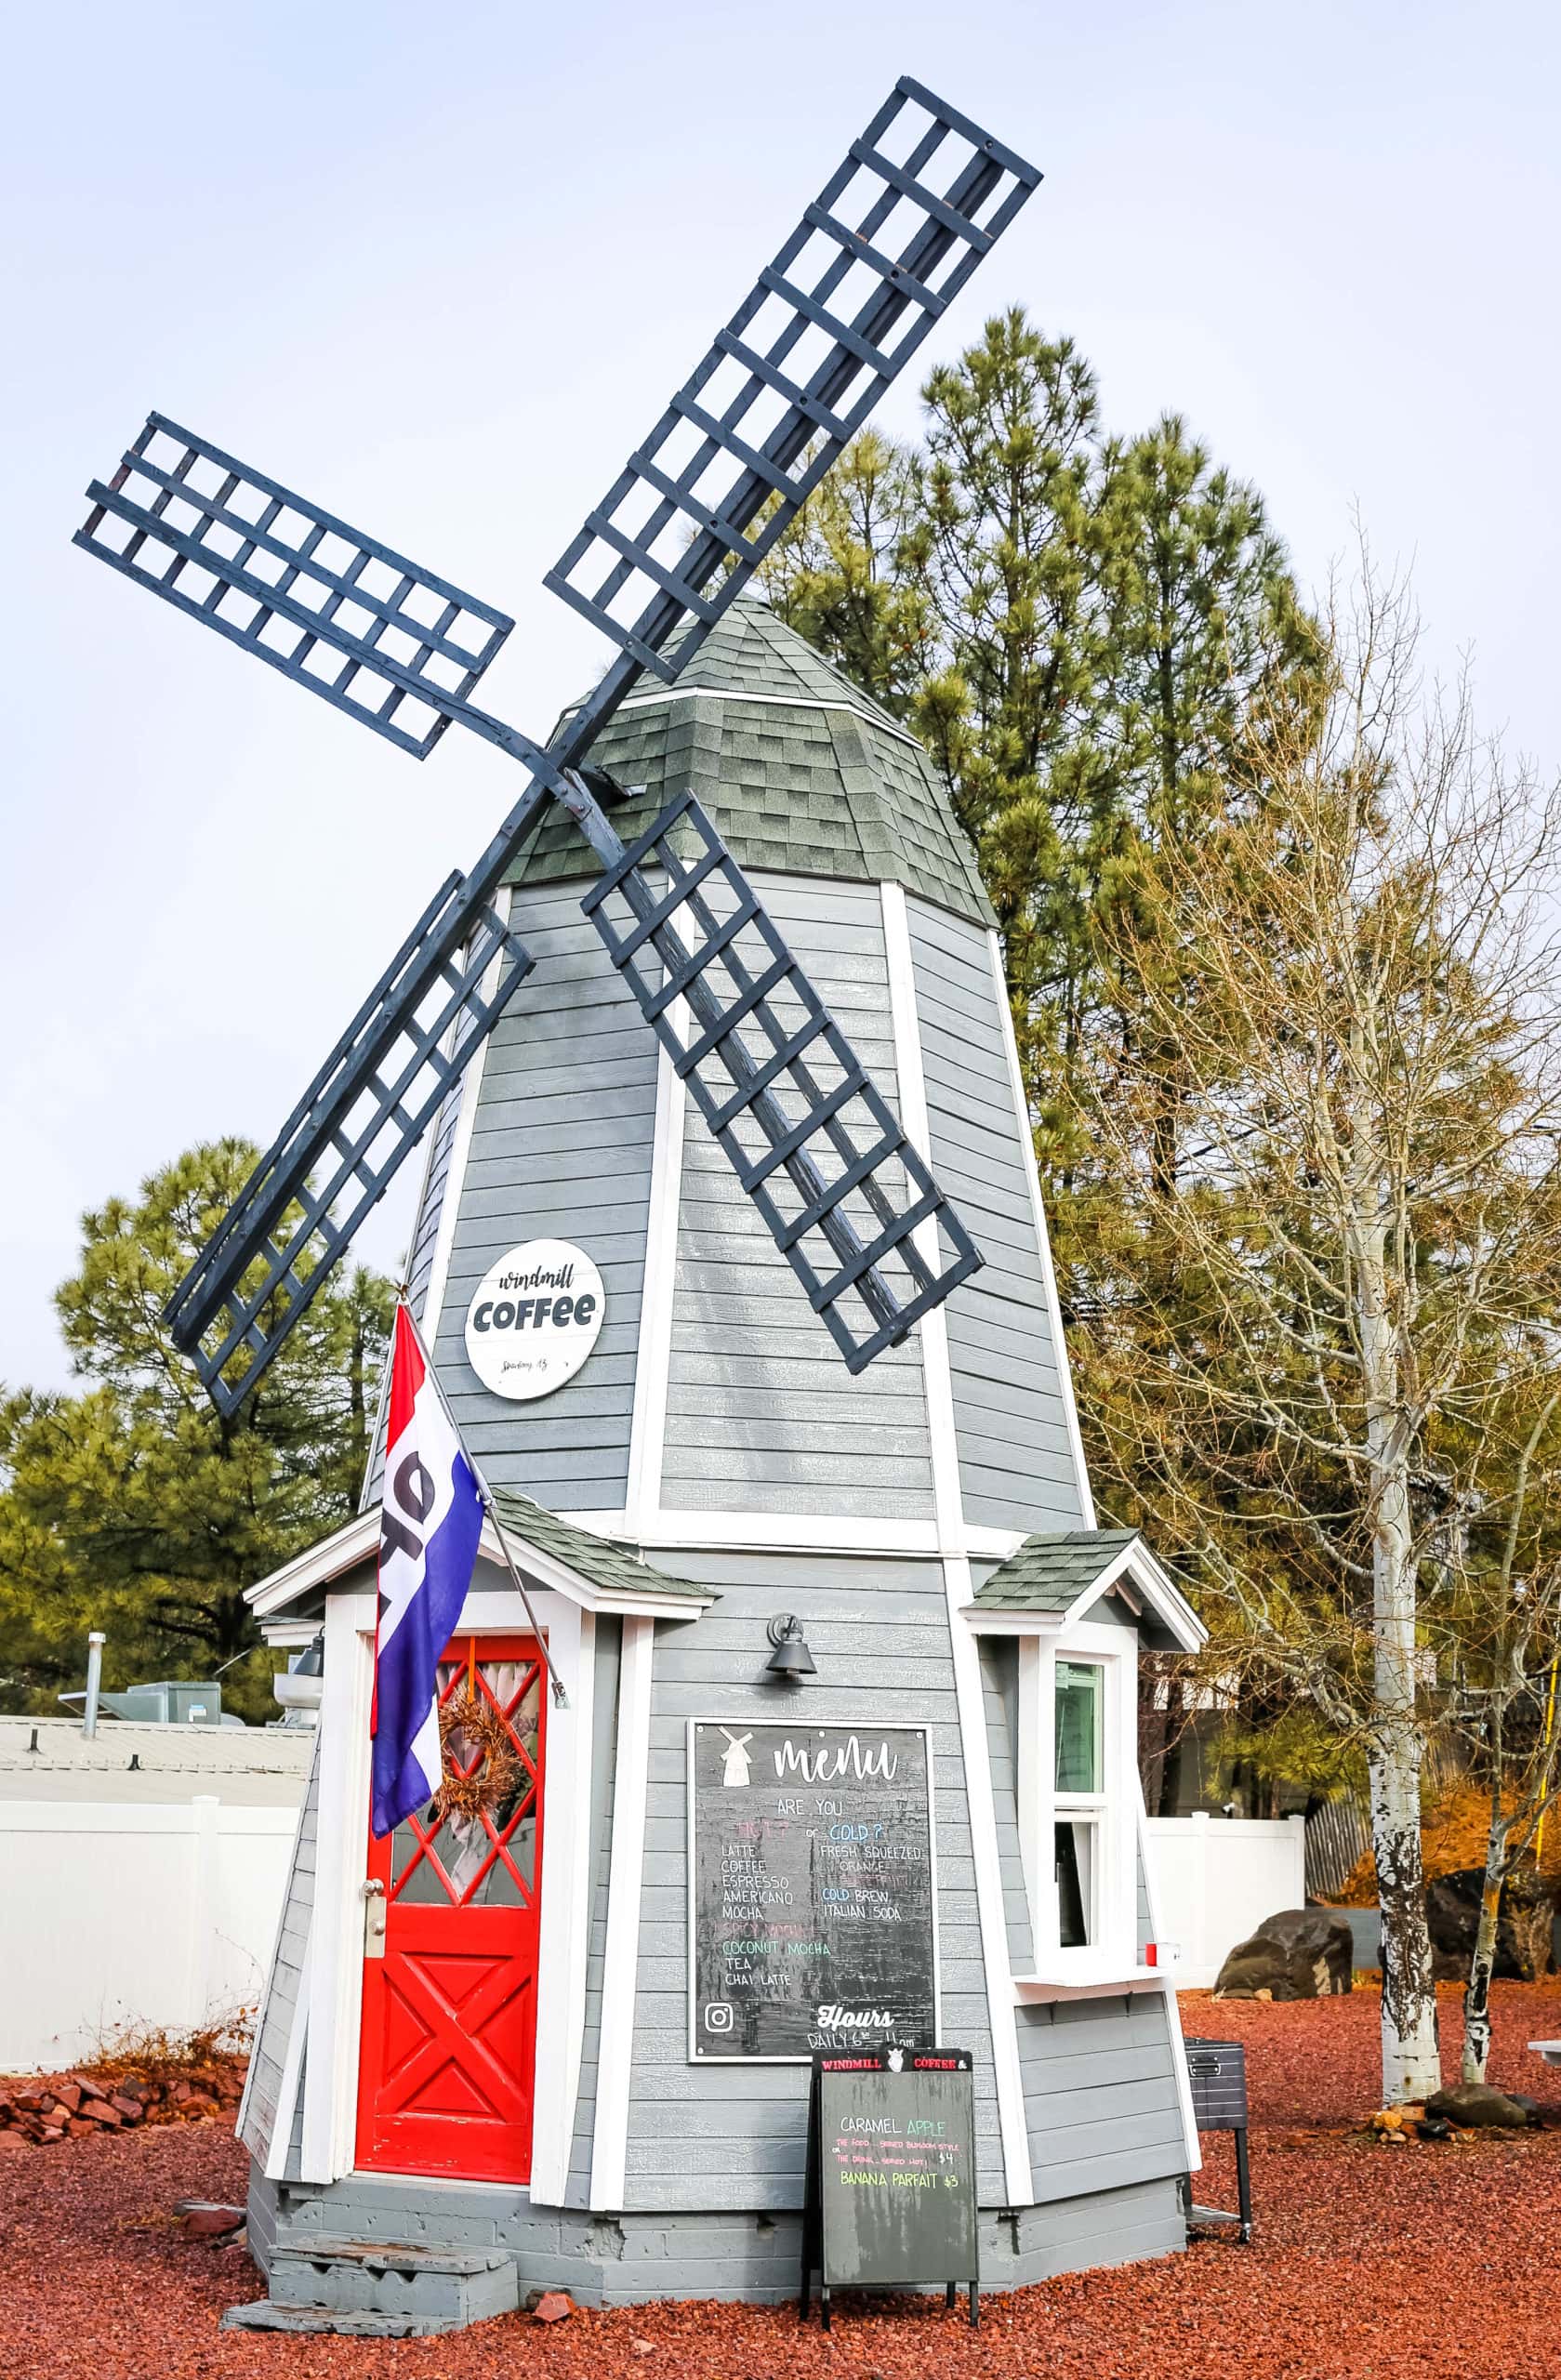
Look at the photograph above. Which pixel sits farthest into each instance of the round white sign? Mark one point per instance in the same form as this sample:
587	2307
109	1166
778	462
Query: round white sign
535	1319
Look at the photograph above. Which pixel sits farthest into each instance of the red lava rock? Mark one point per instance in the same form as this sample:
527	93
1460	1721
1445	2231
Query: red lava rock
210	2222
124	2106
99	2112
12	2138
1437	2263
69	2096
52	2132
553	2306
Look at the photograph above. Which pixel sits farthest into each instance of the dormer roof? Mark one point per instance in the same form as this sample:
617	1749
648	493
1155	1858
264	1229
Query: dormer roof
1052	1580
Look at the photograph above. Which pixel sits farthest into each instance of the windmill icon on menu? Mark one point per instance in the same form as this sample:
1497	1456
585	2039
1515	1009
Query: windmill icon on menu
895	234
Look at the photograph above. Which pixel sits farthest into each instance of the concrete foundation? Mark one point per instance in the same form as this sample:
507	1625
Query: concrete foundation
454	2252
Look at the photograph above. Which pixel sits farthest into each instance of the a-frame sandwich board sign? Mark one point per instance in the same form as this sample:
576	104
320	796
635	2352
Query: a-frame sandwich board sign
889	2196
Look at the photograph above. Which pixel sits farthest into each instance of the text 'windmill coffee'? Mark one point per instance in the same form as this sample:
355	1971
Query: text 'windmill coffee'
535	1318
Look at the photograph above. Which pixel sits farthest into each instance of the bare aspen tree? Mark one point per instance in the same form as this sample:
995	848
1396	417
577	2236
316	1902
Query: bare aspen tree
1340	1013
1499	1623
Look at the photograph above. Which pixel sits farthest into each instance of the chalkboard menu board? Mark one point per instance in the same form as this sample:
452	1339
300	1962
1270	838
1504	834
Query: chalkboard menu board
811	1895
891	2184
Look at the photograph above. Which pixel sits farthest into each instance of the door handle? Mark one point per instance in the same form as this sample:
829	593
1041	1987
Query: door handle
375	1912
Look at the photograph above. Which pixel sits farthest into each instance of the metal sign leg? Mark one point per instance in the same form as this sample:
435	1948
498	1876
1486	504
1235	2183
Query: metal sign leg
1244	2188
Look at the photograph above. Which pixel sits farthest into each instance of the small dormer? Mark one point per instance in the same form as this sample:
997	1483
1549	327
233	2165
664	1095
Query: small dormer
1061	1624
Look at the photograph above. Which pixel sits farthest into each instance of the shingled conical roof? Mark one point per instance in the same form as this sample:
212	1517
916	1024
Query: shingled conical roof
802	772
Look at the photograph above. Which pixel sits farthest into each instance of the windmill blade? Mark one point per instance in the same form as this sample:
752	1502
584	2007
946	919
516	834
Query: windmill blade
895	233
366	1108
334	610
847	1199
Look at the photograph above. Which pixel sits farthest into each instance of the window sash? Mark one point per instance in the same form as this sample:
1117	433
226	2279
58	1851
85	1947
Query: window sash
1103	1908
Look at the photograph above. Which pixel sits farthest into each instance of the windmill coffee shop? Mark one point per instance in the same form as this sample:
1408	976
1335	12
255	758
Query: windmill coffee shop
847	1757
726	1682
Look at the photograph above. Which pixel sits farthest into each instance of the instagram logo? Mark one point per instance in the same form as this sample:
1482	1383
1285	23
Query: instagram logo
717	2015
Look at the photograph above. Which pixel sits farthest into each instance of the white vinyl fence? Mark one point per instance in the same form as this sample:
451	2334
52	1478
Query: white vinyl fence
1217	1879
164	1915
159	1915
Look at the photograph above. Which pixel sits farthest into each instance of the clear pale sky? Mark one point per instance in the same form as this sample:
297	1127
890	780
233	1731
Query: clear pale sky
439	267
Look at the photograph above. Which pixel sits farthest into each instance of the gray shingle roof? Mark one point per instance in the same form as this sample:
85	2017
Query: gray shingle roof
808	776
601	1559
1049	1573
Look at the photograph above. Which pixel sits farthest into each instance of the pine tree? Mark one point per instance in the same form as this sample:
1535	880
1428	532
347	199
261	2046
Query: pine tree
133	1505
1080	628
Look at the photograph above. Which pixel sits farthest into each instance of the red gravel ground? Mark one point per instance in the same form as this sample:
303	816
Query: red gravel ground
1369	2262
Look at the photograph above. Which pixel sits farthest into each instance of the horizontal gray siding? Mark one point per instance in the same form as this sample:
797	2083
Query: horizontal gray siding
560	1148
733	2136
999	1688
1101	2102
1015	1462
419	1262
603	1757
761	1414
274	2027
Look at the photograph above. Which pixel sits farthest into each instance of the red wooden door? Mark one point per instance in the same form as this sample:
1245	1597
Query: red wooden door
449	2029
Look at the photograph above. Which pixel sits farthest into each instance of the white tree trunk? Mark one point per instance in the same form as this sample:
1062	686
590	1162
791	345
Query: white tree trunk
1412	2059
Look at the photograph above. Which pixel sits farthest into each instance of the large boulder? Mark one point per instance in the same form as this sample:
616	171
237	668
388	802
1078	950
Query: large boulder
1295	1955
1524	1917
1476	2103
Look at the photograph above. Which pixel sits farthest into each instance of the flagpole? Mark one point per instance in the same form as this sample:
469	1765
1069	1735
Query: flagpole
485	1493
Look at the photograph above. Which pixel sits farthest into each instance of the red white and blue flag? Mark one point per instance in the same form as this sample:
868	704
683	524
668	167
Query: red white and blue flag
429	1530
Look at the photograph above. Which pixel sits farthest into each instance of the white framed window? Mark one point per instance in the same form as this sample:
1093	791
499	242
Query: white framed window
1078	1800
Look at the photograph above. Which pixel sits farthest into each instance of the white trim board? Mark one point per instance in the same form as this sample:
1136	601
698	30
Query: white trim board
336	1931
969	1702
1032	1177
620	1965
670	1529
260	2033
565	1931
278	2147
460	1146
647	1429
1172	2006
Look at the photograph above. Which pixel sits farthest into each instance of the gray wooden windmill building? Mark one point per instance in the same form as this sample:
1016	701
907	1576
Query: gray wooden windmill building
748	1320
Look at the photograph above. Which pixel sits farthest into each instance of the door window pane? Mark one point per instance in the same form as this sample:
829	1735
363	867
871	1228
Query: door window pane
483	1857
1080	1717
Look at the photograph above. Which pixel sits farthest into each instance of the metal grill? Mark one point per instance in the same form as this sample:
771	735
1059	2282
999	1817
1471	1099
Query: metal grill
846	1199
333	609
894	233
1217	2076
334	1157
